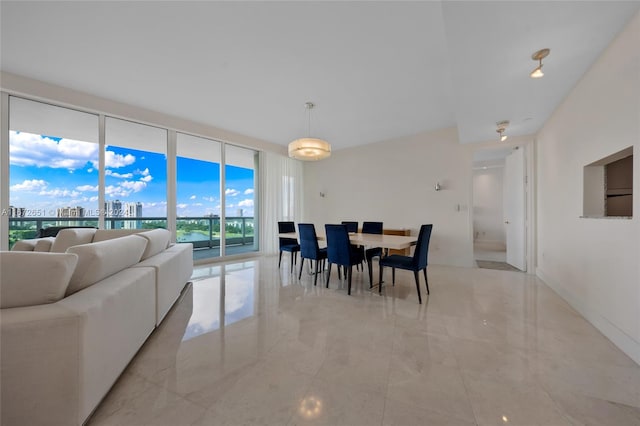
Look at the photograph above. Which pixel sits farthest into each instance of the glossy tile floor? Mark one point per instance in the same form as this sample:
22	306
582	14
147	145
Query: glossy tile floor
250	344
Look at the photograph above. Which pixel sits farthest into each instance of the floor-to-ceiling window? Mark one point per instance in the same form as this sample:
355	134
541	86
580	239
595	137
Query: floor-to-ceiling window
53	168
65	172
135	175
198	194
239	194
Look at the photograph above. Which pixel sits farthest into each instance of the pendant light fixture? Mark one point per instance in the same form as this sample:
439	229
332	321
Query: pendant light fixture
502	126
309	149
538	56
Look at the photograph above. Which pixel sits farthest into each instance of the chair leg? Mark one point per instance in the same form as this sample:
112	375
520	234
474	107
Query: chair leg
426	281
280	259
301	265
328	275
393	276
315	279
380	282
415	274
370	273
339	273
350	272
293	260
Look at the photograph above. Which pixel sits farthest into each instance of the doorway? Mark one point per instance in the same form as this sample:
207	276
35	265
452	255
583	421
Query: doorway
499	233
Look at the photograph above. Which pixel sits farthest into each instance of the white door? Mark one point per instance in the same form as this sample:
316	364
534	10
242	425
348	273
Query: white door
514	208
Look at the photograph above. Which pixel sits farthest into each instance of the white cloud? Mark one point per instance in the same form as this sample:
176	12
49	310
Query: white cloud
231	192
118	175
115	161
28	149
136	186
193	197
248	191
147	178
30	185
116	191
93	199
57	193
87	188
246	203
144	172
182	206
209	199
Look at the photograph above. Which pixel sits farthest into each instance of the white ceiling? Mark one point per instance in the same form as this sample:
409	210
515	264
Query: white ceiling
375	70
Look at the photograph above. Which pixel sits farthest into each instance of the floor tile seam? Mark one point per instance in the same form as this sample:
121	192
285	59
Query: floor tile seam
165	387
386	387
563	412
460	371
584	392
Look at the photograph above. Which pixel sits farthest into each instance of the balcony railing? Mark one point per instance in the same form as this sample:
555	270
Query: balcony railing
202	232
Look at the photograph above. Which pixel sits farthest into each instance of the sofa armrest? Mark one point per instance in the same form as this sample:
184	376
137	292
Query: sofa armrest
39	366
117	315
173	268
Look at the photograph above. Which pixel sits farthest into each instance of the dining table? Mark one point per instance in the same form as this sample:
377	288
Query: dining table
398	242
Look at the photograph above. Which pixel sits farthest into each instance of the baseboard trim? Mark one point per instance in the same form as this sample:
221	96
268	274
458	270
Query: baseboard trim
619	338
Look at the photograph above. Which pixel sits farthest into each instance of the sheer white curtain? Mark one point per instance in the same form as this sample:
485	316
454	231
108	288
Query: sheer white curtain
281	192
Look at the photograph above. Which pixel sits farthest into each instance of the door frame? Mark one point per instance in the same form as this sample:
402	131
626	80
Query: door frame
528	145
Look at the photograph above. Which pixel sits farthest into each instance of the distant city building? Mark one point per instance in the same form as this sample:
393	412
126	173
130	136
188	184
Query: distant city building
240	212
70	212
17	211
113	208
133	210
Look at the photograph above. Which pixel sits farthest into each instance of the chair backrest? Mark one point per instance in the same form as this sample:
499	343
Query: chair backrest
372	227
308	241
422	247
351	226
284	227
338	246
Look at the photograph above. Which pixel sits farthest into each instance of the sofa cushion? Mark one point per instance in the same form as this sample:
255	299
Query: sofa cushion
44	244
24	245
71	237
157	241
97	261
109	234
29	278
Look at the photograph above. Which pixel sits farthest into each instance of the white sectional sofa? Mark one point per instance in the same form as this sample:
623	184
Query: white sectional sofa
73	316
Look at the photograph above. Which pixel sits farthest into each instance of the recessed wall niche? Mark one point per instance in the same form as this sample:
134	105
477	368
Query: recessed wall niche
608	186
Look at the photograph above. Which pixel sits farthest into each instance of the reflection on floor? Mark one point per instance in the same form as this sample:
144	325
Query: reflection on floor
248	343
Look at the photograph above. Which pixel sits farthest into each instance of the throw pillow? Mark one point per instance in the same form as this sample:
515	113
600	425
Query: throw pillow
30	278
100	260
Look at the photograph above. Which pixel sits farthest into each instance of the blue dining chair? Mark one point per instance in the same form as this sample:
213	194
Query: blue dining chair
288	244
352	226
415	263
340	252
309	248
370	253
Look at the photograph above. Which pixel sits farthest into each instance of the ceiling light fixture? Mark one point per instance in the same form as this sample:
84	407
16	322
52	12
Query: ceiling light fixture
538	56
309	149
502	126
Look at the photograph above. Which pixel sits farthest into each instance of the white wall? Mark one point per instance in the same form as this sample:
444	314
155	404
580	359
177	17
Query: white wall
594	263
393	182
488	217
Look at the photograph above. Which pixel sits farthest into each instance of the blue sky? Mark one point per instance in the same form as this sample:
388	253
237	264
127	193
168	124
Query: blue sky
48	172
